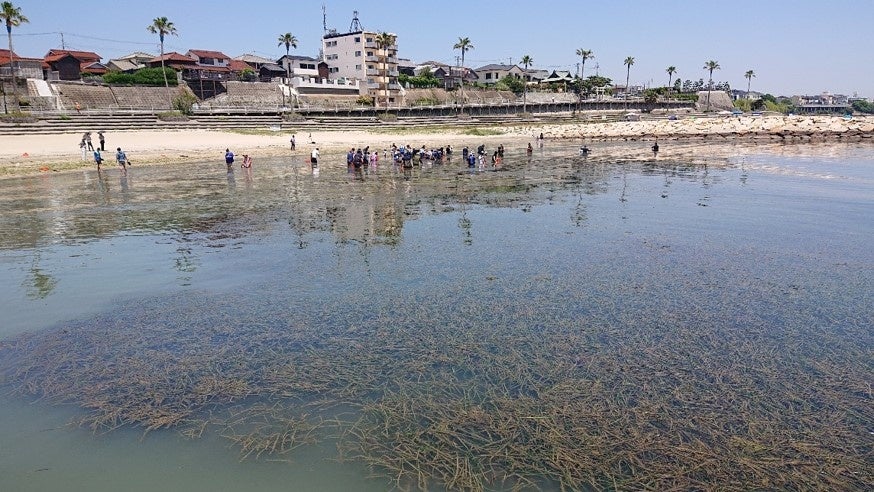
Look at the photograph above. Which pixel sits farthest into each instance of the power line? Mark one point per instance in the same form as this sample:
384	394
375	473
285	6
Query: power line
64	33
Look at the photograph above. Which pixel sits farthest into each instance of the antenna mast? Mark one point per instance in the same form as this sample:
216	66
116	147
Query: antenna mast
356	25
325	18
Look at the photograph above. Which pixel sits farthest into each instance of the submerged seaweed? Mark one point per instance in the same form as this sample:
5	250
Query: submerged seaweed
670	365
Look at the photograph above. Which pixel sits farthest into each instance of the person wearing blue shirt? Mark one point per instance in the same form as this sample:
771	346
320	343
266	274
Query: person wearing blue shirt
121	159
229	160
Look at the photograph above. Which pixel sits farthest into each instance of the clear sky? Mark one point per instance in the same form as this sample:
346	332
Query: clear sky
793	46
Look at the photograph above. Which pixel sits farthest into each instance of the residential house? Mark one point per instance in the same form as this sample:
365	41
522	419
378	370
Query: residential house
254	62
406	67
174	60
209	65
356	55
25	68
129	63
450	77
305	67
70	64
491	74
270	71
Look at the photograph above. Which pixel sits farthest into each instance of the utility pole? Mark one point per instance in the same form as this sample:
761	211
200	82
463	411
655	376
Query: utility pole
63	46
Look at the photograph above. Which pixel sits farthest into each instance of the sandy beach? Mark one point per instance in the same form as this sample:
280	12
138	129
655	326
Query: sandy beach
33	154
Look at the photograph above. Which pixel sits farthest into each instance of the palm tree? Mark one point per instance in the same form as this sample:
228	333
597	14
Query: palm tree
464	45
584	55
11	15
162	26
671	71
526	61
629	61
749	76
711	66
290	42
384	41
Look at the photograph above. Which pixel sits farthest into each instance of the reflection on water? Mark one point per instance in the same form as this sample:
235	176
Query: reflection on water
560	322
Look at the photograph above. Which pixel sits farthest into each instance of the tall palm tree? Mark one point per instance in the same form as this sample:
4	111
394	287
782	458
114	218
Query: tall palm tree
629	61
162	26
711	66
384	41
671	71
11	15
526	61
464	45
584	55
290	42
749	76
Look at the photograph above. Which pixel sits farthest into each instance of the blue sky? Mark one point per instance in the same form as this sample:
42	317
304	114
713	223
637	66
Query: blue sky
794	46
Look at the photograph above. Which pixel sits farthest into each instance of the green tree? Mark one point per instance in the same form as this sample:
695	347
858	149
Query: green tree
526	61
710	66
749	76
162	27
584	55
629	61
464	45
510	83
12	17
289	41
384	41
671	71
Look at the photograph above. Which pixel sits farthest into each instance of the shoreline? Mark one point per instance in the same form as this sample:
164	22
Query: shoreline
27	155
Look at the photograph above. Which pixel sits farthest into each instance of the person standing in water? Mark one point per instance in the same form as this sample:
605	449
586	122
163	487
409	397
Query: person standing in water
314	157
229	160
121	159
98	159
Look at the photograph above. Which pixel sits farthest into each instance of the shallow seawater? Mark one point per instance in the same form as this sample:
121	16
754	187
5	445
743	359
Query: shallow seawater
560	321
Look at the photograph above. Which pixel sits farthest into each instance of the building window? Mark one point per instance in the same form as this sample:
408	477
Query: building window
369	40
488	76
357	39
357	67
333	70
357	54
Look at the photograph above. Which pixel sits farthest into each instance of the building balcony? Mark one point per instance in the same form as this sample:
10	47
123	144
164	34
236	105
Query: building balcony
371	58
373	71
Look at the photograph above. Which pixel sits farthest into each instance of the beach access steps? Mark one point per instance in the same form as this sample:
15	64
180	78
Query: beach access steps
75	123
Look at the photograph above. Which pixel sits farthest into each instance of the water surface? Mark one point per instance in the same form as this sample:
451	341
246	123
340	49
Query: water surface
558	321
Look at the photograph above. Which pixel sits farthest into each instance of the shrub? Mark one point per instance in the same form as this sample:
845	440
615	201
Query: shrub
143	76
650	96
387	117
184	103
744	105
426	101
364	101
172	116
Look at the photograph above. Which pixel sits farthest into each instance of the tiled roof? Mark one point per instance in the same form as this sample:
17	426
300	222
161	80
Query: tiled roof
495	66
82	56
238	65
250	58
173	56
209	54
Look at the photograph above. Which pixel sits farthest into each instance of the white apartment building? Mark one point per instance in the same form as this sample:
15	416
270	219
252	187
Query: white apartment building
355	55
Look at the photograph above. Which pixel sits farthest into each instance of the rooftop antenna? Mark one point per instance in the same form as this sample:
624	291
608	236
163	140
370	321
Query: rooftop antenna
356	25
325	18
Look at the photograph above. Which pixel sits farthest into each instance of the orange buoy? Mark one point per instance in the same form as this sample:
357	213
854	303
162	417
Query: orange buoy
44	168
